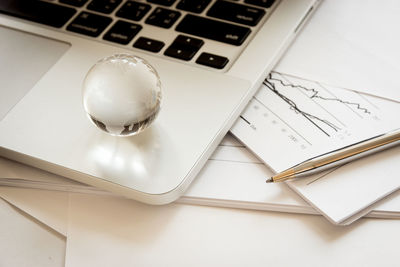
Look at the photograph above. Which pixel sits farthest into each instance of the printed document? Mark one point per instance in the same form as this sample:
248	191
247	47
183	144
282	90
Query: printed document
290	120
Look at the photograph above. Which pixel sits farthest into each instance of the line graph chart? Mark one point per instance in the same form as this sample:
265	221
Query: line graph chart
269	83
291	119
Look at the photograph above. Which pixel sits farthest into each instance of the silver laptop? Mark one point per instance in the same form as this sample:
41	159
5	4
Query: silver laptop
47	47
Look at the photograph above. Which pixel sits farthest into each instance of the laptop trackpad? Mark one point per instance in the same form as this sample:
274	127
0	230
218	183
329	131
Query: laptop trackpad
24	59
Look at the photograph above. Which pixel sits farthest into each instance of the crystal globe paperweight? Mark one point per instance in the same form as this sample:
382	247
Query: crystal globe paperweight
122	94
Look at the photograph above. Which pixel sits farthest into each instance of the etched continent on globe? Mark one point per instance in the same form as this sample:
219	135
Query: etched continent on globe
122	94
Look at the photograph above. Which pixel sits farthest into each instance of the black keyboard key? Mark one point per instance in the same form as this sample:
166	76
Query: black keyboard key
184	47
148	44
133	10
184	40
37	11
261	3
103	6
89	24
122	32
196	6
162	2
211	60
77	3
236	13
214	30
163	17
176	52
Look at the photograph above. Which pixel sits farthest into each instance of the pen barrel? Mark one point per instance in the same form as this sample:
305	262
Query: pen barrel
347	154
340	156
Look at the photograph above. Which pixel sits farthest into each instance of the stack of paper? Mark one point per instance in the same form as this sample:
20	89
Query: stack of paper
232	177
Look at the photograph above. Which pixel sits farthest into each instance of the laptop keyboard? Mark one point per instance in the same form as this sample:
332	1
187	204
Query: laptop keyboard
205	32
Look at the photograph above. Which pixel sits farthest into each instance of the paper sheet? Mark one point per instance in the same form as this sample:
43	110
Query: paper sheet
353	187
350	44
291	120
234	177
106	231
49	207
19	233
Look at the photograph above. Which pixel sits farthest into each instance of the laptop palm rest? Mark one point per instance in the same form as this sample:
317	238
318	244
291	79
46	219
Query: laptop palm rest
24	58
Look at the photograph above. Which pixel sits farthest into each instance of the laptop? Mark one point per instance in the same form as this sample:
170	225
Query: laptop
211	57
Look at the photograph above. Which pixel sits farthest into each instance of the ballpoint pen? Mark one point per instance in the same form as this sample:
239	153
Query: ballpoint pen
340	156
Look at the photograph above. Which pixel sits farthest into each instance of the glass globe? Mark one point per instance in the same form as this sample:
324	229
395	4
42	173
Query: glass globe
122	94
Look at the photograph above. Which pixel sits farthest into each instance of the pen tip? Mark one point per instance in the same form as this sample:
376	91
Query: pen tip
270	180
